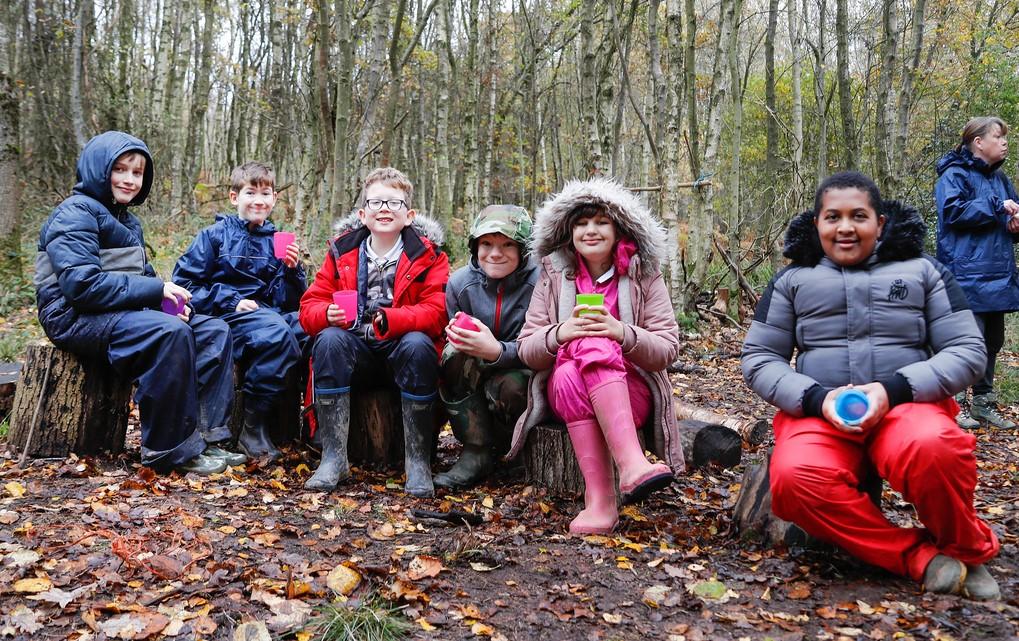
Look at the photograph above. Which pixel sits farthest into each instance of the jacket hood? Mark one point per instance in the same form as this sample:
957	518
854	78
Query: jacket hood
234	220
965	158
902	237
423	224
96	163
551	232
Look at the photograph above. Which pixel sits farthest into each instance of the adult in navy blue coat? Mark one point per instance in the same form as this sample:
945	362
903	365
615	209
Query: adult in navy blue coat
977	226
99	297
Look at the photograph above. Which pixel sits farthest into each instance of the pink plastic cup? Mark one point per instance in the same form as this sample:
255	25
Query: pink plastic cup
280	241
463	321
174	307
347	301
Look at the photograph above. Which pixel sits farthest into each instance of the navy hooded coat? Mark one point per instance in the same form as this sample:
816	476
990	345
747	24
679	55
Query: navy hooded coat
973	239
91	265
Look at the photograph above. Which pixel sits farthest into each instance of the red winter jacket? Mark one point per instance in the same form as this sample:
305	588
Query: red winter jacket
419	303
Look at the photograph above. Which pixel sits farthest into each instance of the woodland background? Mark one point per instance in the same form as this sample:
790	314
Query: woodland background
725	112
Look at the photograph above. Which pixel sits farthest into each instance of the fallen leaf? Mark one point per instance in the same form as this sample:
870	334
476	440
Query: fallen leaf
8	516
62	597
425	625
134	625
251	631
614	619
480	629
288	613
712	589
21	619
798	590
632	513
15	489
488	502
33	584
343	580
864	607
21	558
424	566
655	595
481	567
385	532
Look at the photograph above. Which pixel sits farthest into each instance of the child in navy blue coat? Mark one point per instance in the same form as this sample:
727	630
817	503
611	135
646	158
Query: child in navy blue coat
232	272
99	297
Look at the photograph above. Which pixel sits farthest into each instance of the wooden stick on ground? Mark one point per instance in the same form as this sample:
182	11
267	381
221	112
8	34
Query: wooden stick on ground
752	431
35	415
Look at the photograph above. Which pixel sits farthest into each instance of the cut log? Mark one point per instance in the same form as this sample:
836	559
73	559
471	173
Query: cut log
752	431
709	443
754	521
77	405
9	373
376	427
285	421
549	460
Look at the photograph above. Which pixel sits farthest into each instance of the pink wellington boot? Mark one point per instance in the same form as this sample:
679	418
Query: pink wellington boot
600	514
638	477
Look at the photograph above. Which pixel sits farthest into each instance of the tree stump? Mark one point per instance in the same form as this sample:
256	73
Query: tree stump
285	421
78	405
376	427
754	521
9	373
549	460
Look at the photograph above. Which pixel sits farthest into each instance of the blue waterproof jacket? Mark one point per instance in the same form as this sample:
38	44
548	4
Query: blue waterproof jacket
229	261
973	239
91	265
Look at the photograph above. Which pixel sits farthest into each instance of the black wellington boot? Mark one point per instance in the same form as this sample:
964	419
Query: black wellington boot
472	425
254	438
418	430
333	414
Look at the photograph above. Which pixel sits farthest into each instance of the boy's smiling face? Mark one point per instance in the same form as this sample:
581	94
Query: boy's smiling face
127	177
254	203
387	221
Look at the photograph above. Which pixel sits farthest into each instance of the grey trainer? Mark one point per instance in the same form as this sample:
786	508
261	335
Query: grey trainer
985	408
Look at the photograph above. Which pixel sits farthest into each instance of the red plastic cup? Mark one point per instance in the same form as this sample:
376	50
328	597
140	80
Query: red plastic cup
174	307
463	321
280	241
346	300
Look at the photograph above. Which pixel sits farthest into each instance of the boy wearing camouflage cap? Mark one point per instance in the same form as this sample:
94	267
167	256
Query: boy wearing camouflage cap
484	383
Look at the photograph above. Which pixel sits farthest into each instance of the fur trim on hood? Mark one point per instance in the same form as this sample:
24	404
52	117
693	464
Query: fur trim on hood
901	239
423	224
632	217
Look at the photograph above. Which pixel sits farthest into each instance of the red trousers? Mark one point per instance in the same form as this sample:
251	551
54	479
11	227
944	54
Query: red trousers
919	450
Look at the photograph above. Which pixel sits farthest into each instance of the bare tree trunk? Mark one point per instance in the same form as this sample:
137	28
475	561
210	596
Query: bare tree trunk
690	85
340	201
470	113
907	94
672	199
850	148
821	98
590	90
10	157
77	71
443	186
199	109
796	143
884	118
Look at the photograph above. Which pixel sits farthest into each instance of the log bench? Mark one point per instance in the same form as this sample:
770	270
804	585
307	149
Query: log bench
549	461
753	519
64	403
81	405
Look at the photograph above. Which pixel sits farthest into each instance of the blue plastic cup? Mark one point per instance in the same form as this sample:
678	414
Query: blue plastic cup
851	406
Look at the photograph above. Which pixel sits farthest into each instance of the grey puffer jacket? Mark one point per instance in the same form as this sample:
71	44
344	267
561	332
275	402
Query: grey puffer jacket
500	304
899	318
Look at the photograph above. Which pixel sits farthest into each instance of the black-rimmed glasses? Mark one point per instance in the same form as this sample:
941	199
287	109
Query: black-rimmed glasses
375	204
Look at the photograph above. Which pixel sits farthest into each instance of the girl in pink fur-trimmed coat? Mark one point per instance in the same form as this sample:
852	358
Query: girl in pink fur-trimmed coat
601	369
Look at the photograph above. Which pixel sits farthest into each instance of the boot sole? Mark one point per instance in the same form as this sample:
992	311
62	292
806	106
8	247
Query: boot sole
647	488
595	530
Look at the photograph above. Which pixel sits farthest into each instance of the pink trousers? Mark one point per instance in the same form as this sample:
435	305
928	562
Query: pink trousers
583	364
919	450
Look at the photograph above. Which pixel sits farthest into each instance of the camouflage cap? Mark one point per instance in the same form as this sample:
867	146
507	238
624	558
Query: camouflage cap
508	220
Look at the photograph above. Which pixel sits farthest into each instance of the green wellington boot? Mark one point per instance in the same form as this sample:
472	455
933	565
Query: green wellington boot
472	425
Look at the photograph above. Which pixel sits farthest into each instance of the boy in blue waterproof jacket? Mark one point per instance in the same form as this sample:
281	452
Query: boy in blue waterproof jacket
232	271
99	297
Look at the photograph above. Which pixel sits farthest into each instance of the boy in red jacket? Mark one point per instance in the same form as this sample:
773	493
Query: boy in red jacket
389	254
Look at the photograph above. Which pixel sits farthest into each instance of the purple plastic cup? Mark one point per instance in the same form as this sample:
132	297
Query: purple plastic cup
346	300
174	307
280	241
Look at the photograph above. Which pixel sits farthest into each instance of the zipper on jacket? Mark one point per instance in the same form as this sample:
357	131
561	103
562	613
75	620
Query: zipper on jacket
498	307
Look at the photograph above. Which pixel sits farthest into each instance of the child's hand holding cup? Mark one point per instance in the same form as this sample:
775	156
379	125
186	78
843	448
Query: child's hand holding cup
285	247
345	305
591	300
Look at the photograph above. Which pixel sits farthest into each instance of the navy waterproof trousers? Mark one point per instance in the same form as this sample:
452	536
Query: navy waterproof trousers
184	373
266	345
410	361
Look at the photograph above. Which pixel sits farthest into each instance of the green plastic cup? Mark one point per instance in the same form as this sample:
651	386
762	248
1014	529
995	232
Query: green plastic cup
590	299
